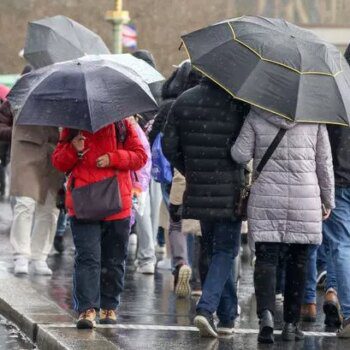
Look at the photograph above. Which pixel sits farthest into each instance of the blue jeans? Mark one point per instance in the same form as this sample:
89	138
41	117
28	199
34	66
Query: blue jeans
322	256
311	275
222	240
336	230
100	253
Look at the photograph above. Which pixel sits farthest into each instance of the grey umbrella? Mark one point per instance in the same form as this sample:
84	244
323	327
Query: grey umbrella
80	94
275	65
59	38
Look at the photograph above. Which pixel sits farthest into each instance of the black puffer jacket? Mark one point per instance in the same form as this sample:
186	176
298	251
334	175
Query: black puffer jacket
201	126
339	137
182	79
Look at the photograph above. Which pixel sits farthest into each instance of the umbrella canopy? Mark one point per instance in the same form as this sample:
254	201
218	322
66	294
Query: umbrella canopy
275	65
59	38
80	94
148	74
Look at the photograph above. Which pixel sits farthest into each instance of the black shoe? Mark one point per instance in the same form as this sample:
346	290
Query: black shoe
292	332
58	244
332	310
266	326
225	328
204	321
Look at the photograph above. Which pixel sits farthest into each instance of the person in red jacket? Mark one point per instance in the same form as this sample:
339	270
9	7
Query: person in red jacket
101	246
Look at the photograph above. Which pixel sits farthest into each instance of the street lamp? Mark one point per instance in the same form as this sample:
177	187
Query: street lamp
118	17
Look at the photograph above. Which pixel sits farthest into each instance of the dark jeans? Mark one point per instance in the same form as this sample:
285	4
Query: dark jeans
280	274
267	257
221	242
100	253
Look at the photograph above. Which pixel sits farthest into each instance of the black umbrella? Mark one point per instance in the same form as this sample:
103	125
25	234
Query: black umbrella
80	94
275	65
57	39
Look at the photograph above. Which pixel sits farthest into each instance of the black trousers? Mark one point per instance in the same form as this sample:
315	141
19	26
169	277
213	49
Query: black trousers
267	258
4	151
100	254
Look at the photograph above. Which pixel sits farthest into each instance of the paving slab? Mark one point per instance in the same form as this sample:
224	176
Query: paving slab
33	313
63	338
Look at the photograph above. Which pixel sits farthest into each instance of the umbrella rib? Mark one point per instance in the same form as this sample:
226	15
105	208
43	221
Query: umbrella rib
31	91
276	62
87	100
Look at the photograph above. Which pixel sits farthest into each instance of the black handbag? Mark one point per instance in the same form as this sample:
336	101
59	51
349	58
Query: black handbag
100	199
241	207
97	200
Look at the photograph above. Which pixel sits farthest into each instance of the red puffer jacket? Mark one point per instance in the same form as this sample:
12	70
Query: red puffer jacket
124	157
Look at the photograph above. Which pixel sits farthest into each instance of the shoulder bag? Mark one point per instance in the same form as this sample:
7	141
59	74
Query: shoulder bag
241	206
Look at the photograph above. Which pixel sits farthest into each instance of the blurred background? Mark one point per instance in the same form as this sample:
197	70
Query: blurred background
157	25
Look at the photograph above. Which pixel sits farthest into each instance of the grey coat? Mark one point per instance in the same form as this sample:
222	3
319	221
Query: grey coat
285	201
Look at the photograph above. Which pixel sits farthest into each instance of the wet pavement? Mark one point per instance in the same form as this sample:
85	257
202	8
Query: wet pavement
11	338
150	317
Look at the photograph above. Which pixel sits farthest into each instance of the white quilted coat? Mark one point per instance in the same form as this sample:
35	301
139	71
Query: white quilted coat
285	201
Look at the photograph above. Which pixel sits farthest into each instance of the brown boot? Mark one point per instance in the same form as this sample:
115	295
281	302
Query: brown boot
331	309
87	319
309	312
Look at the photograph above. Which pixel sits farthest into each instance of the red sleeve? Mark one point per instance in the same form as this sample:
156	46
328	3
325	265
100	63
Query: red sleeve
65	156
133	155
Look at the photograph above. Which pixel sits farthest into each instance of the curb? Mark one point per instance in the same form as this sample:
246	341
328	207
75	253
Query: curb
36	316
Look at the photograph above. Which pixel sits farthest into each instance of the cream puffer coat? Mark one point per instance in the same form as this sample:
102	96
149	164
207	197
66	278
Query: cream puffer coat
285	201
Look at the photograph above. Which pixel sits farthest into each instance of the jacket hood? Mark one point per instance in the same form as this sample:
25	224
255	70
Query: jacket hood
182	79
272	118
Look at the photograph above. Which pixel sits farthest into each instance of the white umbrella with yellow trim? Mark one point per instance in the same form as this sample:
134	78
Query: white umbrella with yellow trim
275	65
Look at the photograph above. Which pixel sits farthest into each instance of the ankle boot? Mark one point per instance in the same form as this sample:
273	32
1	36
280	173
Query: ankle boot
266	326
292	332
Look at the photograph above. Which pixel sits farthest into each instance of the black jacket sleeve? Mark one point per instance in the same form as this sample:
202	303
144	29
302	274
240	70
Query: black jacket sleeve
171	144
159	121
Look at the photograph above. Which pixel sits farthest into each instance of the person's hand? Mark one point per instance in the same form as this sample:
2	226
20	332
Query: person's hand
326	214
79	142
103	161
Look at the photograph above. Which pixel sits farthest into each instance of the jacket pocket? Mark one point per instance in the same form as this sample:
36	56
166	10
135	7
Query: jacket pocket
30	134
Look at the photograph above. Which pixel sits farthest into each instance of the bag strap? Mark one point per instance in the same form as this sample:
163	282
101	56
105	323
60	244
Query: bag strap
120	131
269	152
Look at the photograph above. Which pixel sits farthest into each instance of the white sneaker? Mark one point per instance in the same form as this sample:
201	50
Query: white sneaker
21	266
160	250
279	298
40	268
147	269
132	247
164	264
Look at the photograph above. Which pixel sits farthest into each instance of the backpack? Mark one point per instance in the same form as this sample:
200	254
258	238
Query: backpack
161	169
